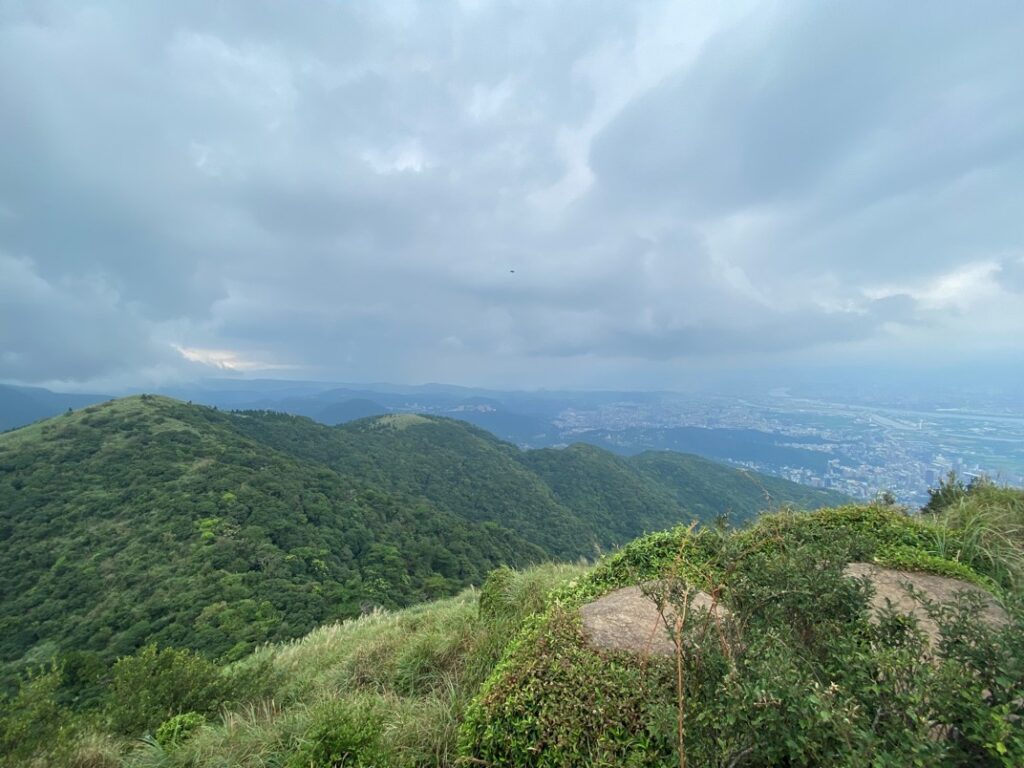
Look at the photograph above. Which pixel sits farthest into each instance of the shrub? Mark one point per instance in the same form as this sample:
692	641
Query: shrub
343	732
179	728
796	676
158	683
32	721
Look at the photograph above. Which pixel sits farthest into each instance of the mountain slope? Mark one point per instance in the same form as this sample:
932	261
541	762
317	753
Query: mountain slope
620	501
454	465
147	519
504	675
568	501
707	489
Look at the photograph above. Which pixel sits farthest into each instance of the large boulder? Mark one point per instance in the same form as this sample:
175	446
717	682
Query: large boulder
628	619
894	588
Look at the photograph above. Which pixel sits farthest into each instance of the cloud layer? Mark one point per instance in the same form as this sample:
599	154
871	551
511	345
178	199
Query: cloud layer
514	193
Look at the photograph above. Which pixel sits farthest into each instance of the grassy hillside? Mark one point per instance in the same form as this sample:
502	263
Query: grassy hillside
385	689
794	674
503	676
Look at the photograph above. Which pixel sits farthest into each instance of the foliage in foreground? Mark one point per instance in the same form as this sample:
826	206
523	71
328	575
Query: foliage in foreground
797	676
384	689
800	678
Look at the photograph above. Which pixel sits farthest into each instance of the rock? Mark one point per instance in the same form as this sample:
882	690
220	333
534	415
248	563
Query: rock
890	586
629	620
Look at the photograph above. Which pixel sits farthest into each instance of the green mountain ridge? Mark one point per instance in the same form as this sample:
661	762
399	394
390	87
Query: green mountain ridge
147	519
572	499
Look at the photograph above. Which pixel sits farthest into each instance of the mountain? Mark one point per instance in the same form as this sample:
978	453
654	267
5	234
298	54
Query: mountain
628	496
572	502
708	489
23	405
454	465
147	519
350	410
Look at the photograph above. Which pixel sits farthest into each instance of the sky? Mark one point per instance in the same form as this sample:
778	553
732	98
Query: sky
514	194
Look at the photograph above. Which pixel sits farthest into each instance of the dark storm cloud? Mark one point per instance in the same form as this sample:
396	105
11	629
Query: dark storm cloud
481	189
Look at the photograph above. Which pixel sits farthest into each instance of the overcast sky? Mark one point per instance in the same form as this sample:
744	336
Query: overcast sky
497	193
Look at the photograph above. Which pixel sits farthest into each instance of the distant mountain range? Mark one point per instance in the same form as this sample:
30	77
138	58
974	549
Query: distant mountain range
147	518
23	405
528	419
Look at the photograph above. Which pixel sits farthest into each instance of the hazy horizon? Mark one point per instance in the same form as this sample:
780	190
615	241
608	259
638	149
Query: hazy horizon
649	196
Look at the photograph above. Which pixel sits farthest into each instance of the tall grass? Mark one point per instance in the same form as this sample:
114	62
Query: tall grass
984	528
409	674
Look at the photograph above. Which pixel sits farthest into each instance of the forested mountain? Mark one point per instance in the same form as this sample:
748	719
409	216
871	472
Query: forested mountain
565	500
149	519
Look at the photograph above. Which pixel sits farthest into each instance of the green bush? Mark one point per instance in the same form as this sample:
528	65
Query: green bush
797	675
179	728
156	684
343	732
32	722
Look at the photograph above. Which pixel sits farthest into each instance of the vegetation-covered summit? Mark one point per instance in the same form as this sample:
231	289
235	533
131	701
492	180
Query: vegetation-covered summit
799	671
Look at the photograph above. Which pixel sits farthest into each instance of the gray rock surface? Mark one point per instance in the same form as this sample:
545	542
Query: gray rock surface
890	586
628	620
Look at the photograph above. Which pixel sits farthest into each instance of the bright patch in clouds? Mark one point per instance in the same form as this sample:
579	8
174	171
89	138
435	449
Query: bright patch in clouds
403	157
958	289
226	360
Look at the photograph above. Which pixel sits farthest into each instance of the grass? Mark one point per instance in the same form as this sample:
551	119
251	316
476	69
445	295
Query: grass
984	528
384	689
